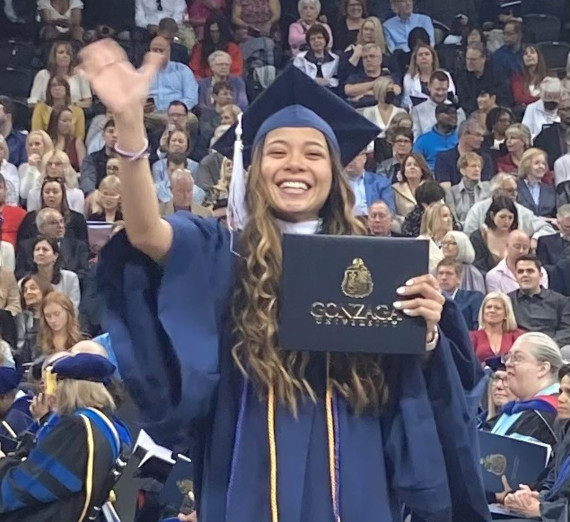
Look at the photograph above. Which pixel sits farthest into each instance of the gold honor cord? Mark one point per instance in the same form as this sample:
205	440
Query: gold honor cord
332	442
9	429
90	460
272	455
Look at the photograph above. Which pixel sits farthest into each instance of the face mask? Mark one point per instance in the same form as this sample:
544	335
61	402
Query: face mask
550	106
390	97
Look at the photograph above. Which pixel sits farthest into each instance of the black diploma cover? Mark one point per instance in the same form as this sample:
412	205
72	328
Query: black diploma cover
337	294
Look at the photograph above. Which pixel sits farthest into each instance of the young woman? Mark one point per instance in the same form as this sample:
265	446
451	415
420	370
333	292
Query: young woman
60	130
526	85
56	165
414	172
33	289
262	397
58	96
106	200
38	144
54	194
61	62
59	327
47	266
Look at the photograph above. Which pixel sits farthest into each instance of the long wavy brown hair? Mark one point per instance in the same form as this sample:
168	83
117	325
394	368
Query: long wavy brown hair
45	333
358	378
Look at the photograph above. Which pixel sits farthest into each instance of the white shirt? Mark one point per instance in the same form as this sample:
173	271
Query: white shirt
413	87
69	285
535	117
501	279
146	12
78	86
10	173
562	169
303	228
54	14
373	114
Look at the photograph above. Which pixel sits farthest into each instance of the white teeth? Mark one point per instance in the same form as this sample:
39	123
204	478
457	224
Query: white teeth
294	184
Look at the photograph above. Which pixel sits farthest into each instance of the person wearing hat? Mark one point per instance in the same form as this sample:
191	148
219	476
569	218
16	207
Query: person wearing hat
14	408
67	473
255	416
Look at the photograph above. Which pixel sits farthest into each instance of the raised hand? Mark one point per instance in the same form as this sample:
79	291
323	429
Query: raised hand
116	82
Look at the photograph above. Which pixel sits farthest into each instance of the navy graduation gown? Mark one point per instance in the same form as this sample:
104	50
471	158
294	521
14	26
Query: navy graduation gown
171	331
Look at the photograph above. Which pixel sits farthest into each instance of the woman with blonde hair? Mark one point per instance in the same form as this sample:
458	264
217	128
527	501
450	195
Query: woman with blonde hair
416	81
38	144
437	221
55	165
517	139
71	461
295	184
105	203
533	192
498	329
457	246
59	326
382	114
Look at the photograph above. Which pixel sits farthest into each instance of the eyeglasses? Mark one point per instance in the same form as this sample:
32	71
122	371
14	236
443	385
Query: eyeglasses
498	378
448	243
513	359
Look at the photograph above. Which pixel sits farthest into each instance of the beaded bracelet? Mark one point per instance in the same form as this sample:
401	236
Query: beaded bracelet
130	156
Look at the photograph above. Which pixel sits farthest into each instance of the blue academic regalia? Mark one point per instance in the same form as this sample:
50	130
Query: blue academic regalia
171	331
16	421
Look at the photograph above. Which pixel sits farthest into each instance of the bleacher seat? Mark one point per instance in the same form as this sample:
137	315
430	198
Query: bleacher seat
441	31
17	53
447	55
16	82
555	55
542	27
22	114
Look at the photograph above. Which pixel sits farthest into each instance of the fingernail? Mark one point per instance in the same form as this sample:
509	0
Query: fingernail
397	304
409	282
407	311
401	290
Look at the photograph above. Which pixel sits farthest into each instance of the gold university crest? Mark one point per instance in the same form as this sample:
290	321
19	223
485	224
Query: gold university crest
357	280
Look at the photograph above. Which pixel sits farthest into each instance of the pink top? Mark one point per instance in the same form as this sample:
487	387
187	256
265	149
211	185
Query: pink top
297	36
482	346
501	279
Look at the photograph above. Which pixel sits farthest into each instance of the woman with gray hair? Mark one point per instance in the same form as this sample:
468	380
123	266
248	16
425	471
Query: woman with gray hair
309	11
457	246
544	111
517	139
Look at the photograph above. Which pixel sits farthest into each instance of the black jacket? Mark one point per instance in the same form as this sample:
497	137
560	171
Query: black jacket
75	228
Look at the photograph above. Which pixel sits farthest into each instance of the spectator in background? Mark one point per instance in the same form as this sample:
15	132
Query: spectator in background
545	110
11	216
94	140
427	193
60	130
423	64
38	144
10	174
202	16
533	193
58	328
367	186
471	134
352	15
490	241
309	15
550	249
498	120
506	185
423	115
10	307
498	393
16	140
380	218
518	140
502	278
254	18
401	139
148	13
105	204
525	85
437	221
414	172
220	64
442	137
61	63
508	59
552	138
56	165
448	275
477	77
456	246
173	81
58	98
56	24
538	309
94	167
398	28
182	186
486	102
217	37
498	329
53	195
562	165
385	91
461	197
318	62
74	254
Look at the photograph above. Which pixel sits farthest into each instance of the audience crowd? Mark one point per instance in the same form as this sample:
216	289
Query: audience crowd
473	156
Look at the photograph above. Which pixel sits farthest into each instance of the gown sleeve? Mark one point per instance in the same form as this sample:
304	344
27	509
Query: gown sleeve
165	323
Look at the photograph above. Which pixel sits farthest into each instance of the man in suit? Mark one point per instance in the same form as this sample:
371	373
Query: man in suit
448	274
368	187
74	253
380	219
554	247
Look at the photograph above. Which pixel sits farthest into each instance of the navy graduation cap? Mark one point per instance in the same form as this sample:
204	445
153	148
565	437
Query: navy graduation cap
84	367
295	100
9	379
495	363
